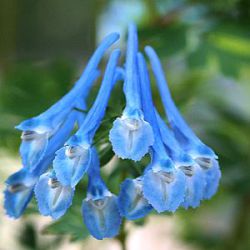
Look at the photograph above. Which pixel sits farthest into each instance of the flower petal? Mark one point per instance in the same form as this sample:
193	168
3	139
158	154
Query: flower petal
70	170
164	190
131	138
18	192
195	185
102	217
132	203
53	198
33	149
212	179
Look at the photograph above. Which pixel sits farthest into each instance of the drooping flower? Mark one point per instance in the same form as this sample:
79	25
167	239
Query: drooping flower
163	183
195	181
72	161
100	208
52	197
131	136
201	153
38	130
132	203
20	185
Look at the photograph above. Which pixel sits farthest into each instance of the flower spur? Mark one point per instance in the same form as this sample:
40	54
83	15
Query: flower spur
72	161
163	183
201	153
131	136
38	130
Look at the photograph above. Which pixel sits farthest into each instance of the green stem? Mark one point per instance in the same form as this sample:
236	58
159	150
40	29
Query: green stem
122	236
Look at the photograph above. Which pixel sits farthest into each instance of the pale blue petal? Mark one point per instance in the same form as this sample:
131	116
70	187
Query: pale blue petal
102	217
132	203
70	169
53	199
18	192
212	179
32	151
131	138
164	196
194	191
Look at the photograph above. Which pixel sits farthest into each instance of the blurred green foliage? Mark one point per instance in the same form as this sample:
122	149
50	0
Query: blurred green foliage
205	48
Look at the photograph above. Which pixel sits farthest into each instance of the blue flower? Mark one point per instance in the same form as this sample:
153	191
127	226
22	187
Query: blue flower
18	192
38	130
132	203
195	181
72	161
163	183
131	136
52	197
20	185
190	143
100	208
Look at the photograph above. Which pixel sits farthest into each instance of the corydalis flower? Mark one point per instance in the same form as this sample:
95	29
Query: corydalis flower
163	184
190	143
131	136
20	185
73	159
38	130
195	181
100	208
132	203
52	197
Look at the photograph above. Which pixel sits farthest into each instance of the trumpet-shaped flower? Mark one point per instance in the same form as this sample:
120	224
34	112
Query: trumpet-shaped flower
163	183
37	130
132	203
131	136
201	153
72	161
100	208
52	197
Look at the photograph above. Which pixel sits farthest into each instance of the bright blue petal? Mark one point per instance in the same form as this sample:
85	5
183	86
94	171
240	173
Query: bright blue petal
18	192
53	199
195	185
212	179
131	138
164	190
102	217
132	203
71	163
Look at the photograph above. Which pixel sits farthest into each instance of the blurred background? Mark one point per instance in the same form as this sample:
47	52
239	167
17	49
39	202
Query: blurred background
205	49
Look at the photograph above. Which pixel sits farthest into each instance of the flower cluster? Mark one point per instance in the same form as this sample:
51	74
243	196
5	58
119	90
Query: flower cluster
182	172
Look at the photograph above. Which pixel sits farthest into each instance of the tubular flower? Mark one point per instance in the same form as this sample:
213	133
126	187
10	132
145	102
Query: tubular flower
100	208
163	183
201	153
72	161
38	130
182	172
131	136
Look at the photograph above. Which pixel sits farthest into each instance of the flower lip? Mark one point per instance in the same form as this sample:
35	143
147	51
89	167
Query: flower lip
17	187
132	123
187	170
167	177
29	135
204	162
53	183
75	151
